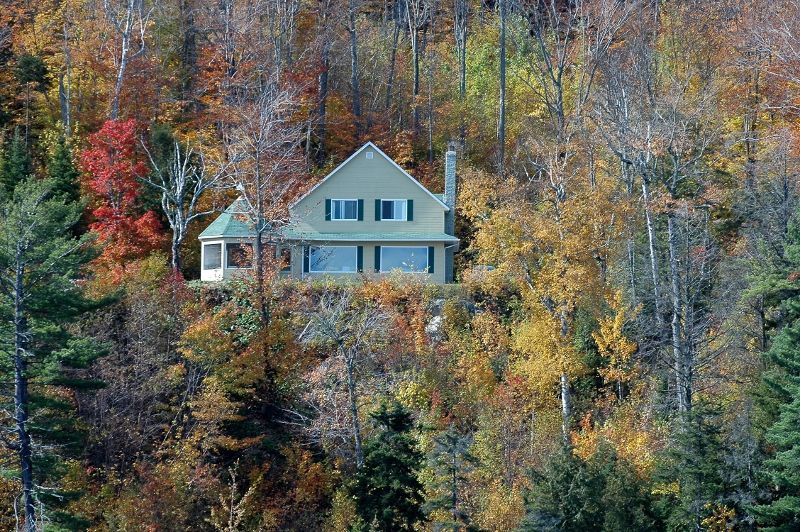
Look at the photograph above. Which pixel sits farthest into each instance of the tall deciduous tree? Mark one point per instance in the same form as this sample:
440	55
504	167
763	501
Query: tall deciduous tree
112	168
182	180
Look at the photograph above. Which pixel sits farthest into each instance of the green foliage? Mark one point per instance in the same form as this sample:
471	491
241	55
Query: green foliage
31	69
61	170
451	460
603	492
15	165
386	489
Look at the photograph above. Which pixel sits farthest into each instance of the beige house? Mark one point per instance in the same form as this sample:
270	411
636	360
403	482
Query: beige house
367	217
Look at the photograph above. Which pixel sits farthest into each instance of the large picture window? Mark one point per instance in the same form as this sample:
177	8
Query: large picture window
344	209
239	255
333	259
212	256
394	210
404	258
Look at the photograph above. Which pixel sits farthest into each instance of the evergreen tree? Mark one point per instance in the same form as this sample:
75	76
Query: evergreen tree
387	492
601	493
782	471
15	165
693	464
40	262
61	170
451	460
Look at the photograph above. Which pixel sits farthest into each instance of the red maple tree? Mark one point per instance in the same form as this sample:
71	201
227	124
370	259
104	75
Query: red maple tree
112	167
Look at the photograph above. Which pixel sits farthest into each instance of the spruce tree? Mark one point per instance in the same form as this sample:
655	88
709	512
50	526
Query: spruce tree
386	489
782	471
61	170
15	164
451	460
40	262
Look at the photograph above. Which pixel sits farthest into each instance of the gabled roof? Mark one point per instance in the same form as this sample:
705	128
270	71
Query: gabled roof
377	149
231	223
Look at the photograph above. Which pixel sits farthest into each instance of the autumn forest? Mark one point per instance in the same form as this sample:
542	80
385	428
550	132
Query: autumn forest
620	350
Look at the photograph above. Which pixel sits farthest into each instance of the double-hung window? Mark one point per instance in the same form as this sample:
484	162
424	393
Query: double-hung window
394	209
344	209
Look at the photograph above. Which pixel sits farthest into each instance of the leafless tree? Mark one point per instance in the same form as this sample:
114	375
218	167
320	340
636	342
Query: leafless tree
264	162
130	20
181	185
353	331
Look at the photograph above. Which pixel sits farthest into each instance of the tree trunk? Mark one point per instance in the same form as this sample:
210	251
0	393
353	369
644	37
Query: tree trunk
415	87
651	241
21	397
682	384
354	84
501	121
566	407
258	262
322	109
392	62
351	393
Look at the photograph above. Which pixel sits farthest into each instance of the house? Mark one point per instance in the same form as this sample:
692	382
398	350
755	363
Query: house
368	216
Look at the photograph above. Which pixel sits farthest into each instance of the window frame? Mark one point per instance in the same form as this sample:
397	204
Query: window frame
427	265
221	245
355	263
405	210
227	256
333	210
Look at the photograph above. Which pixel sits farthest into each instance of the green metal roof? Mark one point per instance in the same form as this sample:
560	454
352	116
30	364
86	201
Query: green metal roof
231	223
395	236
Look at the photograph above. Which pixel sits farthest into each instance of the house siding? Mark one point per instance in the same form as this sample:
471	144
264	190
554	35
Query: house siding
368	180
438	275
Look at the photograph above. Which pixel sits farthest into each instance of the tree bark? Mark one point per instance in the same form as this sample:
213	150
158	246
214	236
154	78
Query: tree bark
351	393
21	334
651	242
501	121
392	63
354	83
566	407
682	378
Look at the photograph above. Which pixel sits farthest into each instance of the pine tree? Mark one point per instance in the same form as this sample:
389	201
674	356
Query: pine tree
61	170
15	164
40	262
387	492
600	493
451	460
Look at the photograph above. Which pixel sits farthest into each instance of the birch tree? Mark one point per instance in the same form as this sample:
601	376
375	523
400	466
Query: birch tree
184	180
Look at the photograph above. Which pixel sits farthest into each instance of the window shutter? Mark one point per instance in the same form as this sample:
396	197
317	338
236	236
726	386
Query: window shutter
410	210
360	259
328	210
306	259
377	210
431	255
377	258
361	210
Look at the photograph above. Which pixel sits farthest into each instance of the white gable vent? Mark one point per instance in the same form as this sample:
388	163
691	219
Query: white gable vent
369	155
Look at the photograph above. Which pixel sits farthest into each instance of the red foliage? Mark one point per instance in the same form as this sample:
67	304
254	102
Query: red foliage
112	167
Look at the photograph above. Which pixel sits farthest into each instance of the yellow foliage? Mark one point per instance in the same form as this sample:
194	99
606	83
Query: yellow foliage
613	344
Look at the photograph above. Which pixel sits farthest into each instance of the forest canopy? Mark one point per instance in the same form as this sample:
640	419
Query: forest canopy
621	347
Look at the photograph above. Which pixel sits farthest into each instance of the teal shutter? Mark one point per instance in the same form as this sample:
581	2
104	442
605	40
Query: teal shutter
361	210
410	210
377	258
377	210
431	255
328	210
360	258
306	259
